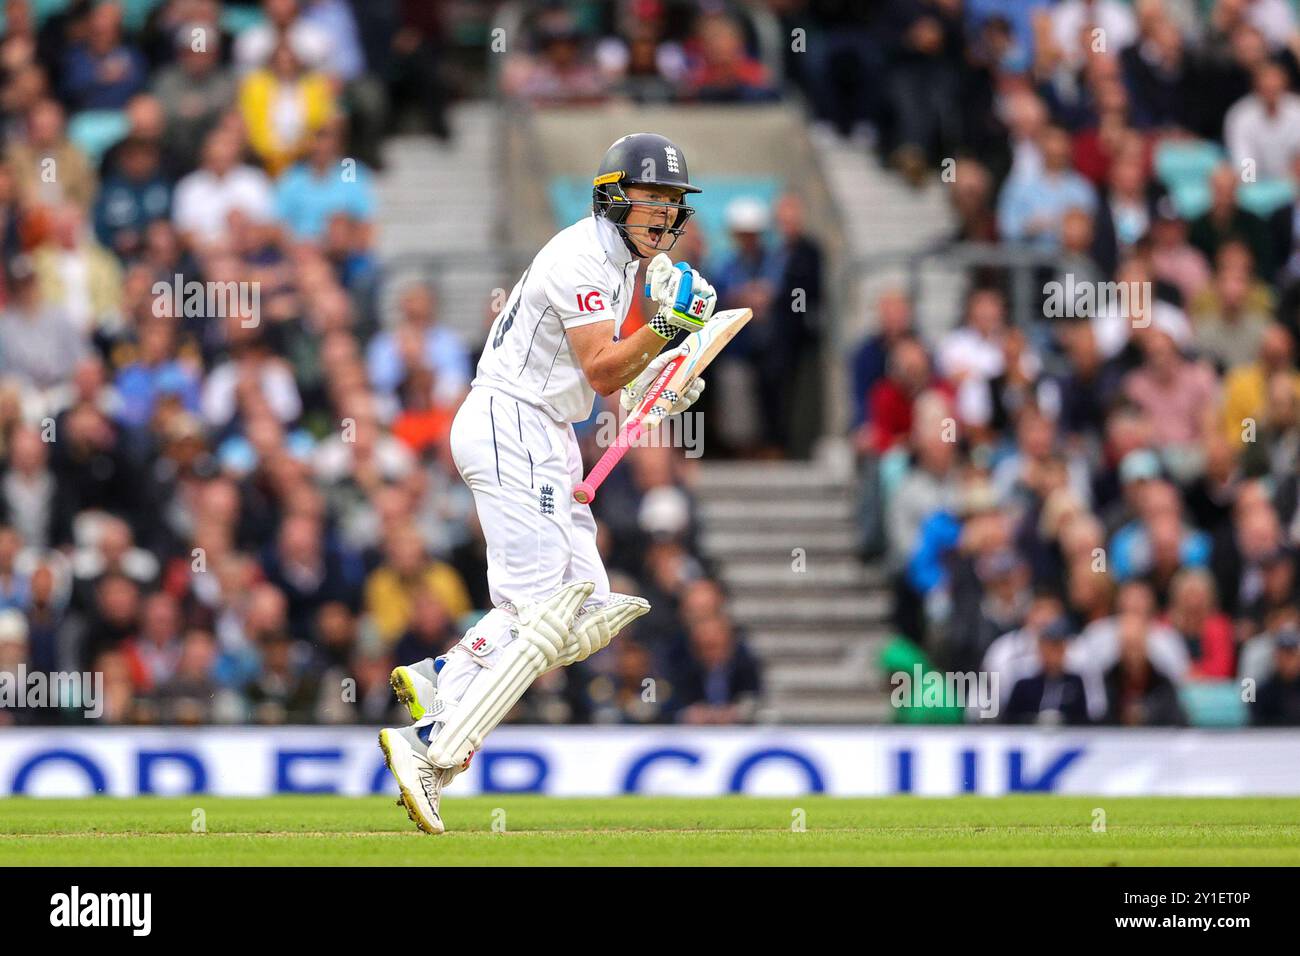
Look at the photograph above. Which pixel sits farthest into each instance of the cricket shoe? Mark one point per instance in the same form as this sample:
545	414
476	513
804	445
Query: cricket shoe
419	780
416	687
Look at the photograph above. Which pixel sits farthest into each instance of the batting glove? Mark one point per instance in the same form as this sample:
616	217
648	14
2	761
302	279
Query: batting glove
635	390
685	299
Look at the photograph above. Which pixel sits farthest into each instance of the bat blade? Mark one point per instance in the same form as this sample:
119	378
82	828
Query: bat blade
664	392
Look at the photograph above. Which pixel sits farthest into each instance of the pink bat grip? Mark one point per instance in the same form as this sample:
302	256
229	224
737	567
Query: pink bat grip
584	492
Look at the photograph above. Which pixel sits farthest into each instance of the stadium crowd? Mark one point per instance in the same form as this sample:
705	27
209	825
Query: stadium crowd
224	477
1099	505
224	480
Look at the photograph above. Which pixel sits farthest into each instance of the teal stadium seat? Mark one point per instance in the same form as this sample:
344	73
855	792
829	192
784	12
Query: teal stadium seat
1184	168
136	12
571	200
1266	196
236	20
94	131
44	9
1213	704
1206	8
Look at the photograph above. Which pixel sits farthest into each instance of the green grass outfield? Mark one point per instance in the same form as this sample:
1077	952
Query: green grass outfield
543	831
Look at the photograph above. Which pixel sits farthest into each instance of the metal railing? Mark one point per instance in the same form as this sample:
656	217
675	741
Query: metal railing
935	279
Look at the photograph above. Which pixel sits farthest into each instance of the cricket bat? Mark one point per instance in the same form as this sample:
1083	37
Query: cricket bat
664	392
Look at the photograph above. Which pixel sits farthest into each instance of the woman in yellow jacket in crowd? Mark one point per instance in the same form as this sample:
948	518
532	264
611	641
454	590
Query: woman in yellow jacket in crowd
283	104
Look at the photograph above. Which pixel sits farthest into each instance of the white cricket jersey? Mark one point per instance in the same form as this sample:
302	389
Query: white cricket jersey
585	274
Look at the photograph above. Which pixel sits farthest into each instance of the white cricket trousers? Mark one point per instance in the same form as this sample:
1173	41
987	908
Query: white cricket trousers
521	465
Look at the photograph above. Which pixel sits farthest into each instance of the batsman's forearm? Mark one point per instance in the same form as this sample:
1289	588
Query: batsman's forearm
624	360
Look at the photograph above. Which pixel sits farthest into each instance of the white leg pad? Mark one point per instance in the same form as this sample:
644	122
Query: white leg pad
595	626
540	637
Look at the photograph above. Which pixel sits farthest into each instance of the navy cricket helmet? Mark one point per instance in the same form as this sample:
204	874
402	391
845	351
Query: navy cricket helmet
641	159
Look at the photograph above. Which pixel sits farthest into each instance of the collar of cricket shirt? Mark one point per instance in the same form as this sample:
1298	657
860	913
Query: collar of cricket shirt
611	240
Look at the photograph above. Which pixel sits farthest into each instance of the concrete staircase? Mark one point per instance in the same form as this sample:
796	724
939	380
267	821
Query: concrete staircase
882	214
783	537
438	213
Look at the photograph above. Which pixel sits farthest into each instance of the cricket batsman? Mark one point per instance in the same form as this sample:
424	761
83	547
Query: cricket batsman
554	345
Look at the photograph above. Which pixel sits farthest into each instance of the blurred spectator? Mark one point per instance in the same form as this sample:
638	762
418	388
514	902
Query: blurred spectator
790	372
14	652
78	276
102	71
1138	694
190	694
40	343
971	196
419	339
871	360
431	630
644	66
1072	23
720	70
323	185
1194	613
1054	696
392	589
630	694
1033	204
1015	654
414	54
930	484
971	355
157	372
30	493
48	168
1278	704
891	399
925	83
1232	314
1225	221
154	654
1262	131
205	199
283	104
989	594
134	195
310	573
1173	258
1160	71
251	380
194	91
560	70
749	375
310	41
1125	211
1157	536
284	690
1175	392
720	681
